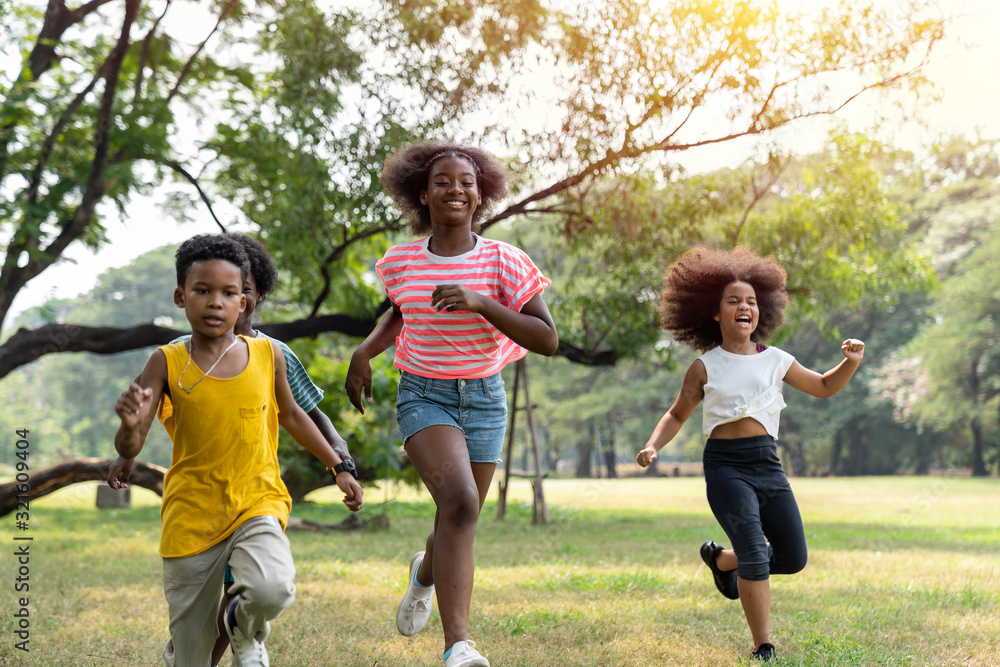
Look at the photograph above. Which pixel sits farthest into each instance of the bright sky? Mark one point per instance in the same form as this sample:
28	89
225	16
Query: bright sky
964	68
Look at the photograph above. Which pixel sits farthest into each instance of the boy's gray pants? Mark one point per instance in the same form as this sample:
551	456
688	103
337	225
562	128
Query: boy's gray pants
263	572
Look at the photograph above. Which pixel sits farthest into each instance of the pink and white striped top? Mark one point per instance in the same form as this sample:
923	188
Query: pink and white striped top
456	344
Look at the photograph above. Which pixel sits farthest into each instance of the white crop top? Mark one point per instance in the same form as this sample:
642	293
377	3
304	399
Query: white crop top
744	385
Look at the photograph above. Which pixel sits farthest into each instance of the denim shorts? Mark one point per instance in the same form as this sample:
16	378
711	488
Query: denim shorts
477	407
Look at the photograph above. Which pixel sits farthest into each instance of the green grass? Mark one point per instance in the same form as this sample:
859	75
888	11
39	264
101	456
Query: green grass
902	571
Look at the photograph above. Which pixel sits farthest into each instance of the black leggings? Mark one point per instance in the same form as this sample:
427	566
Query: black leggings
753	502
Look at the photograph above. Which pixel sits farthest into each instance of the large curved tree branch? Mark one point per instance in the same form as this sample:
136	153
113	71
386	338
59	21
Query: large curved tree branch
44	482
759	123
25	346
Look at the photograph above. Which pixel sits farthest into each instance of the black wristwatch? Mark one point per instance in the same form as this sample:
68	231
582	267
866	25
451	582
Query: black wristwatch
347	465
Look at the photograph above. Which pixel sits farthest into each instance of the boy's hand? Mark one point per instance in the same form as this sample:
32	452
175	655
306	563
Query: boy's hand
133	404
359	379
352	490
853	349
646	456
120	472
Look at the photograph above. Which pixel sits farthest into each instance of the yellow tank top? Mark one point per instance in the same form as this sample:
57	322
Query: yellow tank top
224	468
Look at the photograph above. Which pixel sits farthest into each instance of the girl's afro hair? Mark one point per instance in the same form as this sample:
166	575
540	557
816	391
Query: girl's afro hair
406	173
693	292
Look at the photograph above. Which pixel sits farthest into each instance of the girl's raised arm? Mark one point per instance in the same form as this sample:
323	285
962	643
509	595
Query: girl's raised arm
829	383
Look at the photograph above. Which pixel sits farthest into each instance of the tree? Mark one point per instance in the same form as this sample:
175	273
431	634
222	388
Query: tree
957	357
298	159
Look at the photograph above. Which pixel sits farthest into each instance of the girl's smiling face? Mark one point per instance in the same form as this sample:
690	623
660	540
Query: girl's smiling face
452	193
738	312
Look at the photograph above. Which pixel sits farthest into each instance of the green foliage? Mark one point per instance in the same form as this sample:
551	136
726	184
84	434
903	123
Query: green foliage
959	354
945	380
296	105
68	400
302	147
839	234
829	219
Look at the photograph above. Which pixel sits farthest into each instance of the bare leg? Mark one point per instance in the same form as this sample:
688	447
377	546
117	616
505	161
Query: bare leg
483	473
726	560
222	643
756	599
459	487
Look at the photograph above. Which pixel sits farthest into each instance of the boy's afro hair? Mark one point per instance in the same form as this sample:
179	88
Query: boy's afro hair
693	293
204	247
262	267
406	173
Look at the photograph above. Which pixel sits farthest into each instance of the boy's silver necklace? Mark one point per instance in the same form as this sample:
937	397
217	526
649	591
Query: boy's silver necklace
208	372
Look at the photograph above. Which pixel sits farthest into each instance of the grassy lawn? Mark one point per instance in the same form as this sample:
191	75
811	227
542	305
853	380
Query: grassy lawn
902	571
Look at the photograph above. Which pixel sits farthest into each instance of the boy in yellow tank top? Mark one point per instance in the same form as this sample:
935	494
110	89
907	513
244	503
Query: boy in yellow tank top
223	498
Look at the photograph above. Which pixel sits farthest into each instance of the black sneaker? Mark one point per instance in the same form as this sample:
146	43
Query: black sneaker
724	581
764	653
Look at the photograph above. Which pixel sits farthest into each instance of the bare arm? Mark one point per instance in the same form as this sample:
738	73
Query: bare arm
359	373
137	406
329	432
829	383
298	424
691	394
531	328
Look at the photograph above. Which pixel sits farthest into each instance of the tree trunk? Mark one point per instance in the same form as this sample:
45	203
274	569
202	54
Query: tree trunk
596	449
609	454
44	482
586	449
795	457
978	462
836	464
857	453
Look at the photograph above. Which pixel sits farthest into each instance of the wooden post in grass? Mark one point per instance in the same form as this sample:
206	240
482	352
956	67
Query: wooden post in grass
539	512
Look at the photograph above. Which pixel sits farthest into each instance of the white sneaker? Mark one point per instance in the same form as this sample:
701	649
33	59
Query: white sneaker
247	651
415	608
463	654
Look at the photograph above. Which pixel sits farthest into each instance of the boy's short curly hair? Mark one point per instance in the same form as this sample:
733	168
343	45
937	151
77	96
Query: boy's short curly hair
204	247
262	268
406	173
693	294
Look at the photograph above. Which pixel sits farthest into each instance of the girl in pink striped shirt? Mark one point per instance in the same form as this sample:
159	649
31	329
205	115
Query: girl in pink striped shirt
462	307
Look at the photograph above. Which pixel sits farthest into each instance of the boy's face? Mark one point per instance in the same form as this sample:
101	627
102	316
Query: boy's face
252	297
212	297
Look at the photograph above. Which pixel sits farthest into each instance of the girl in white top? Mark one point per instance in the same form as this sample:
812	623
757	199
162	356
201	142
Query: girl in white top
727	304
462	307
